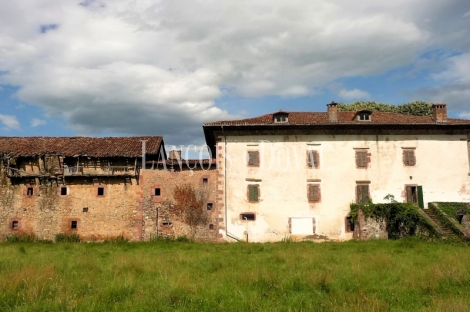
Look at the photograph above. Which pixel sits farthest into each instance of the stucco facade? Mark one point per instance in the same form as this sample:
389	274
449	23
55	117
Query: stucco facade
416	163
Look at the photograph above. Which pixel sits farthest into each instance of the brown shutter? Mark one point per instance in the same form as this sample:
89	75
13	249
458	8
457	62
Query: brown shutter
410	159
313	193
362	194
253	158
313	159
361	159
409	195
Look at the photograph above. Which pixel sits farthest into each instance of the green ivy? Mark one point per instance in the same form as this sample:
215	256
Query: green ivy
402	219
453	209
417	108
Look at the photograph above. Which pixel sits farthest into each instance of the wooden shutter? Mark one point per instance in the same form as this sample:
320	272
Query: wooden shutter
253	158
409	194
361	159
313	193
362	194
253	193
409	158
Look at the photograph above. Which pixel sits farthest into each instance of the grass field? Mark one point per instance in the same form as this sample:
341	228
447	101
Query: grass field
402	275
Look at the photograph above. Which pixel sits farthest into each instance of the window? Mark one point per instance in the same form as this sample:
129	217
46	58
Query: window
362	159
349	222
210	206
281	118
100	191
157	192
253	192
362	194
253	158
409	158
248	216
74	224
313	193
166	223
211	226
205	181
412	194
363	116
313	159
85	209
30	191
15	225
63	191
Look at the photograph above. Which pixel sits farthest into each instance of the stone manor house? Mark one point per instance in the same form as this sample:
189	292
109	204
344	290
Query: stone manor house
285	174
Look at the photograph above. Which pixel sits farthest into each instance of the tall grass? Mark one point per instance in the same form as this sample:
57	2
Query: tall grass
403	275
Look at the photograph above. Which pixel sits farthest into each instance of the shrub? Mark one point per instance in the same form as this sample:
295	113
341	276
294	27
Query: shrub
67	238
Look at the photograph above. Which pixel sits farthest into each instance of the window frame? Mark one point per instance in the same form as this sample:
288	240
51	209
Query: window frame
362	158
248	193
251	214
409	157
349	224
311	196
359	200
253	158
315	156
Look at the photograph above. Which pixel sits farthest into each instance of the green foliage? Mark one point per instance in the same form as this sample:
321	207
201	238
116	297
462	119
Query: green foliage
400	275
402	219
417	108
169	239
25	238
116	239
447	215
67	238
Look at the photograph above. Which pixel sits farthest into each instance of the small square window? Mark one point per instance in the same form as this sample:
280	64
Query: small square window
210	206
409	158
63	190
248	216
253	158
100	191
15	225
30	191
211	226
85	209
74	224
157	192
166	223
314	193
362	159
205	181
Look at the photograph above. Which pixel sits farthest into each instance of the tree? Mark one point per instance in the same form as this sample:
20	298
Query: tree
190	205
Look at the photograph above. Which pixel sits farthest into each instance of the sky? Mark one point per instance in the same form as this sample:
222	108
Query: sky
138	67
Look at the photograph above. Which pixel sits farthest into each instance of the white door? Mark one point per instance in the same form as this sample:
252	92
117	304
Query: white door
302	226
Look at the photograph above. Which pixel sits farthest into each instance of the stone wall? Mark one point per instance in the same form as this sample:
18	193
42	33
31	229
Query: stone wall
370	228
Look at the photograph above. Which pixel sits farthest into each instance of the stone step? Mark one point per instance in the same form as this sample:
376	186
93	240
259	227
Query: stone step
447	232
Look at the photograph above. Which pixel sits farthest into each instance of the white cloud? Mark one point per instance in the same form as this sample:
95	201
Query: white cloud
9	121
464	115
158	67
353	94
35	122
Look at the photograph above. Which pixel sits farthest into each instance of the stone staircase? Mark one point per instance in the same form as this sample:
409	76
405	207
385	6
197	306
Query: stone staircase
447	233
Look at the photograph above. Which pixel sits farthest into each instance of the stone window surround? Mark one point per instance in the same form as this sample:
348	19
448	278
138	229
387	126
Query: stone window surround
105	190
157	198
10	224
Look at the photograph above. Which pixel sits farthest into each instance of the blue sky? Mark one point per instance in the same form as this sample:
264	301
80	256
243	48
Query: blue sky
127	67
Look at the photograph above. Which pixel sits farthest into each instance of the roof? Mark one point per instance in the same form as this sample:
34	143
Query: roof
321	118
80	146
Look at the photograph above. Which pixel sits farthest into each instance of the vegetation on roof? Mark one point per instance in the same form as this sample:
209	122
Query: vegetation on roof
416	108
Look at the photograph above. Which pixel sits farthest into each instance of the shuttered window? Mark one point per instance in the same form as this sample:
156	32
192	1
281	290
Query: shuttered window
313	159
314	193
362	194
361	159
409	158
253	158
253	192
411	194
349	223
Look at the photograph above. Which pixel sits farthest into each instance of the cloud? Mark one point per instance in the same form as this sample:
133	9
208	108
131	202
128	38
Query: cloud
353	94
9	121
37	122
158	67
464	115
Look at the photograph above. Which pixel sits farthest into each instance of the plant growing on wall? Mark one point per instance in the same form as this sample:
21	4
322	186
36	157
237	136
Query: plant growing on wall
417	108
190	205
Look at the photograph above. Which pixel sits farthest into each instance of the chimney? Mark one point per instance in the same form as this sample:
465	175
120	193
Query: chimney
175	155
332	112
439	112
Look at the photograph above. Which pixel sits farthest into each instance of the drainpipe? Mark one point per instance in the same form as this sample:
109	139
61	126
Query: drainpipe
225	188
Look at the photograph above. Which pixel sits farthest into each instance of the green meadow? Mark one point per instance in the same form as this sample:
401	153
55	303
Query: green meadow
400	275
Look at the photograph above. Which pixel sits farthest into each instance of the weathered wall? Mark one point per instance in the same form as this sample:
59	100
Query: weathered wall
158	216
47	213
442	168
370	228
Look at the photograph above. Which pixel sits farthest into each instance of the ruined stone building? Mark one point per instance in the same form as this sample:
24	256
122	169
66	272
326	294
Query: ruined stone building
97	188
294	174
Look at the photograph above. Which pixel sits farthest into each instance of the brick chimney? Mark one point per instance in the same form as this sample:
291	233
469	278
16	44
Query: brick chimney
175	155
332	112
439	112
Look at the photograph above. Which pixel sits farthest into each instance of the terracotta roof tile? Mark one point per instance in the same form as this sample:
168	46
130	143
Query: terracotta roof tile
80	146
321	118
